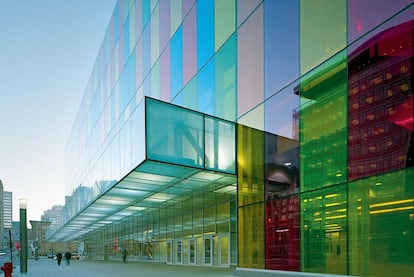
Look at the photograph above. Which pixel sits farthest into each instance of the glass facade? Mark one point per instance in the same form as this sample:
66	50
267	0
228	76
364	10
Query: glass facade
289	144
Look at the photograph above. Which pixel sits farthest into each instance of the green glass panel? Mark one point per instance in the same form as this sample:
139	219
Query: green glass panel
174	134
225	80
225	20
323	124
322	31
381	224
324	230
175	16
220	145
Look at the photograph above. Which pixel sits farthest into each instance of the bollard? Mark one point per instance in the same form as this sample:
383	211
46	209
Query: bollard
7	268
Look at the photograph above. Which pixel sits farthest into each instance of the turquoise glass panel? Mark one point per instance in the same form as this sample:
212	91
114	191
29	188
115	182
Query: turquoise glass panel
281	54
174	134
225	80
138	134
189	46
205	26
146	11
176	66
250	65
205	84
220	145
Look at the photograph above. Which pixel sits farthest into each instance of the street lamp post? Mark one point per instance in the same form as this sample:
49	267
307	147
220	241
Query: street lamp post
23	236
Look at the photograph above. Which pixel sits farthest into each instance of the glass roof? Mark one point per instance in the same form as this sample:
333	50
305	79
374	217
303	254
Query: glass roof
149	187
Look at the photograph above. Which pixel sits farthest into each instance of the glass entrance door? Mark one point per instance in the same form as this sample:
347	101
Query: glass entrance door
191	249
169	252
208	246
221	250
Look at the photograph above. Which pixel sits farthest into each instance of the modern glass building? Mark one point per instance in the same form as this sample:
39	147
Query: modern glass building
269	135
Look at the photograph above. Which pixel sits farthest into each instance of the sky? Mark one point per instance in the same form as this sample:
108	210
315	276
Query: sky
47	52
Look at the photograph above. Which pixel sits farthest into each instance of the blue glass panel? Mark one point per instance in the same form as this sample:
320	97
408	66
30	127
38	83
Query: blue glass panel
116	22
205	26
281	19
176	65
126	40
205	84
127	83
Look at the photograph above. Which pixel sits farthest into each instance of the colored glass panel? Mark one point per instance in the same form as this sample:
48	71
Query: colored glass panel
281	38
146	50
254	118
174	135
245	8
322	31
250	145
225	80
146	12
380	225
380	109
282	112
225	21
189	46
176	65
164	23
250	236
220	148
205	86
127	83
155	35
175	16
137	135
250	63
139	70
363	16
323	124
282	203
324	230
190	94
165	81
138	20
205	26
155	81
132	26
187	5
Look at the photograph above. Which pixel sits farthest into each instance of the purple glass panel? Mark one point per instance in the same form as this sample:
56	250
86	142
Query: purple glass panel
187	4
365	15
164	23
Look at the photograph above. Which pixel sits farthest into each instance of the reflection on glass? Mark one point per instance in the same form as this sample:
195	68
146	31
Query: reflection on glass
207	251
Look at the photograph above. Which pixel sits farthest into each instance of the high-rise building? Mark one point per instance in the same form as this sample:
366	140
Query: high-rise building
7	209
269	135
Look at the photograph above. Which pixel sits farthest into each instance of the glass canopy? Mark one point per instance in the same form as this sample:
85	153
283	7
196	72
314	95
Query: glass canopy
188	155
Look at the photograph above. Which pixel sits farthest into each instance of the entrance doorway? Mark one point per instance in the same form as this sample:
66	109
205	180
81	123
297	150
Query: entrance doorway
221	253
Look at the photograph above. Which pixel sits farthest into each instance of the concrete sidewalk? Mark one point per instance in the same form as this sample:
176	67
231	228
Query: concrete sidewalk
82	268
